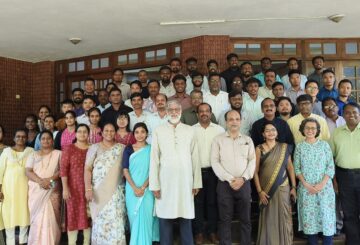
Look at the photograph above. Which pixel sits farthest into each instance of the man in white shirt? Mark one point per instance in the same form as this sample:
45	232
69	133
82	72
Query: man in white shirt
293	64
166	86
270	79
191	67
87	104
138	114
117	76
135	87
252	103
103	98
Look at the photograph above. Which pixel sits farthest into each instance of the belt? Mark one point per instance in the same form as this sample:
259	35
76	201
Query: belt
206	169
348	170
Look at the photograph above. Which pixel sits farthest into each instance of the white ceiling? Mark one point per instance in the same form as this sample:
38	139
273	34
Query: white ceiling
39	30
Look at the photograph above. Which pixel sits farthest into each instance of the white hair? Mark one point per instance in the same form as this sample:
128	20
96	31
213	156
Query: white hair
173	102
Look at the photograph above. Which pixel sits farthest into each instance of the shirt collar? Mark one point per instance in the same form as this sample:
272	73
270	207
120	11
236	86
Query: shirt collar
228	135
347	129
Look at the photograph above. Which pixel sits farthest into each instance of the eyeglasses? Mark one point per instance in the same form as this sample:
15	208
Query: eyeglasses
310	128
312	88
329	107
237	82
270	130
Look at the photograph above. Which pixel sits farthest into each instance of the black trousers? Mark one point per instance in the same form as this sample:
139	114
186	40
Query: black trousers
349	192
166	231
227	197
206	203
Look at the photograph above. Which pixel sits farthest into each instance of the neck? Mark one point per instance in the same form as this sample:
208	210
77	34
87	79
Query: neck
162	112
165	83
269	117
270	143
77	106
174	124
234	133
285	117
351	126
269	87
204	124
103	105
329	87
181	94
253	96
318	71
46	150
153	97
296	88
305	115
71	128
93	126
343	98
310	140
31	131
108	142
236	109
19	147
118	82
215	92
116	106
140	143
82	143
122	130
197	88
138	111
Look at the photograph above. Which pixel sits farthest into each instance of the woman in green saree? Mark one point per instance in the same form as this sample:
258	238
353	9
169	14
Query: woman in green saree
274	168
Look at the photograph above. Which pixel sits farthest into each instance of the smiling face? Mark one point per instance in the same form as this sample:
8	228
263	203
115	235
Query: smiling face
270	132
165	75
43	112
312	89
278	91
204	114
180	86
30	123
330	109
82	134
345	89
284	108
108	133
318	64
247	70
175	66
20	138
268	108
310	130
122	121
270	78
174	112
49	123
160	102
89	87
69	120
46	141
236	102
140	134
94	117
351	115
153	89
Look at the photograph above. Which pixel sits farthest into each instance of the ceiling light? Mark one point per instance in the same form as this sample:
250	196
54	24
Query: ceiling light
75	40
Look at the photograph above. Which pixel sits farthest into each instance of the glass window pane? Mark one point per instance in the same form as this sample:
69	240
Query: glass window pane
351	48
329	48
254	48
315	48
133	58
95	64
61	87
82	83
122	59
240	48
104	62
72	67
150	56
177	51
80	66
60	68
61	96
161	54
349	71
290	48
276	48
74	85
358	71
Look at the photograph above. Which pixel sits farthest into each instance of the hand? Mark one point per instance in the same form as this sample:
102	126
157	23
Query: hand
1	196
237	183
336	187
320	186
195	191
138	192
293	194
310	188
89	195
45	184
264	198
157	194
66	194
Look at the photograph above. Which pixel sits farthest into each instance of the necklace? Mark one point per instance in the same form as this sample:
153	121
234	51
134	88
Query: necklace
42	157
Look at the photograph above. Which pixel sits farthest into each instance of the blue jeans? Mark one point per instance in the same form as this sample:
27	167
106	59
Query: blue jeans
166	231
313	240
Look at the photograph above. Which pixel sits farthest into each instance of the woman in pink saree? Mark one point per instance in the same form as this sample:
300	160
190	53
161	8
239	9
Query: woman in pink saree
42	169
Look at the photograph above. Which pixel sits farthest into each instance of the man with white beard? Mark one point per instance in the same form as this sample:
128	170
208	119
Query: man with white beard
175	175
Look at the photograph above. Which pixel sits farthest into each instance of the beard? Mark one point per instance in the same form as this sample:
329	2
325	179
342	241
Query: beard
174	120
284	113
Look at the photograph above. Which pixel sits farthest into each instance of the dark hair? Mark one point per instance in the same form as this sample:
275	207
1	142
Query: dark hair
102	90
175	59
67	102
137	82
141	125
79	126
326	100
124	113
307	120
290	59
77	90
353	104
154	81
89	97
311	81
265	58
270	70
114	89
275	84
317	57
34	117
134	95
230	111
231	55
345	81
107	123
45	106
196	74
118	69
94	109
283	98
211	62
234	93
109	84
327	71
246	63
21	130
72	113
45	131
164	95
265	124
253	80
52	116
264	100
141	71
204	103
90	79
213	74
303	97
291	72
179	77
196	92
164	68
191	59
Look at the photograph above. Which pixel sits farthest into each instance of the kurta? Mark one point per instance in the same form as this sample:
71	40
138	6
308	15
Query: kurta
316	212
14	182
72	166
174	170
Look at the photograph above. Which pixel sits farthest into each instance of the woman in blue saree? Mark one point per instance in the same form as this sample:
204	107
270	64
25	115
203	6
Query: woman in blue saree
139	199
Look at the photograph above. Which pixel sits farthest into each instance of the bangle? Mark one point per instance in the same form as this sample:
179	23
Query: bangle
293	187
90	189
260	191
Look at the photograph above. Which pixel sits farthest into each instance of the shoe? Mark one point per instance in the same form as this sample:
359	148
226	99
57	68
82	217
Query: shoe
199	239
214	238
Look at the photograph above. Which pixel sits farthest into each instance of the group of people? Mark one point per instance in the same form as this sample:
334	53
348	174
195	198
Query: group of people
193	150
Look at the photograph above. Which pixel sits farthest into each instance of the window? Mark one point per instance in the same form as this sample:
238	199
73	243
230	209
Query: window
133	58
276	49
290	49
76	66
161	54
315	48
254	48
95	64
104	62
353	74
149	56
72	67
240	48
329	48
247	48
322	48
177	51
122	59
351	48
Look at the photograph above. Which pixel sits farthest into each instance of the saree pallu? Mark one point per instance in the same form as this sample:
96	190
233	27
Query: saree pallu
275	221
144	226
108	207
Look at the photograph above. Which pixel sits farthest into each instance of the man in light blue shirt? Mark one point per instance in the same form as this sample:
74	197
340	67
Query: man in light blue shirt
266	64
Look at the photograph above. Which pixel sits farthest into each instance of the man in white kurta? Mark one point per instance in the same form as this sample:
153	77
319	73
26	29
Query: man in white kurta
175	175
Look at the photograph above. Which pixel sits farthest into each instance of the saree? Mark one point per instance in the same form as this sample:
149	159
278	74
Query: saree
275	221
44	205
144	226
108	206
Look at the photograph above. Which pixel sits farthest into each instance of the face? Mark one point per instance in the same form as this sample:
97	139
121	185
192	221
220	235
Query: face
236	102
233	62
69	120
89	87
270	78
214	84
204	114
118	76
310	130
140	134
137	102
46	141
153	89
252	88
295	80
103	97
134	88
142	76
196	99
67	107
174	111
122	122
30	123
180	86
1	134
197	81
268	108
160	102
191	66
247	70
312	89
233	121
115	97
43	113
265	64
212	67
278	91
88	104
175	66
345	89
351	115
305	107
82	134
284	108
330	109
94	118
20	138
237	84
49	123
329	79
78	97
108	132
270	132
318	64
293	65
165	75
109	87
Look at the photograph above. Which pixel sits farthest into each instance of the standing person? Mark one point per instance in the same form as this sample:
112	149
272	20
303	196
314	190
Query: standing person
32	128
252	103
143	78
77	97
49	124
14	188
232	70
138	114
314	167
191	67
266	90
104	189
293	64
66	105
274	168
123	134
266	64
345	148
88	103
42	169
117	77
179	82
284	109
175	175
95	130
154	88
331	109
295	90
328	90
139	199
205	200
166	86
66	137
312	89
72	177
213	67
233	161
247	71
89	89
344	87
2	133
103	98
43	111
135	87
110	86
318	63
